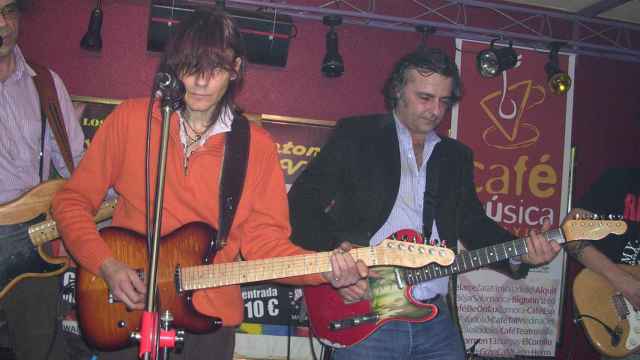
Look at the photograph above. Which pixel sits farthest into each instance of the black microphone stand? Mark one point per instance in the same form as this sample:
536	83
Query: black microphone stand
156	333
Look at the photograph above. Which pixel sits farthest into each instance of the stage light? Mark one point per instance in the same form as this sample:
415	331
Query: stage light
493	61
332	65
92	40
425	32
559	82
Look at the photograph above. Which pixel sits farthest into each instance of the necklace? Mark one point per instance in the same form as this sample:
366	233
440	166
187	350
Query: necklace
192	139
197	134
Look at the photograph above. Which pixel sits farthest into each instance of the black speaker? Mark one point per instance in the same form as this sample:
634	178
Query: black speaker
266	34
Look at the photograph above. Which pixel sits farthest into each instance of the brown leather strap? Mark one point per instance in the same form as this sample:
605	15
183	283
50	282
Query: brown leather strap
50	108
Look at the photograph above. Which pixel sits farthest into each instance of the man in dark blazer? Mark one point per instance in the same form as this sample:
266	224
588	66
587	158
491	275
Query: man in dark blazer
378	174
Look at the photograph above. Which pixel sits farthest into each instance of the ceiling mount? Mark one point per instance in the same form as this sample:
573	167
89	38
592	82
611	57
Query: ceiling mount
524	26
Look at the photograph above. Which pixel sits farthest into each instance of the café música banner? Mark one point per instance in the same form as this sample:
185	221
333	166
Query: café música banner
520	133
266	306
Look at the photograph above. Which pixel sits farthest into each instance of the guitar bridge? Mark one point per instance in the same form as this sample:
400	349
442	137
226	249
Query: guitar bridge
354	321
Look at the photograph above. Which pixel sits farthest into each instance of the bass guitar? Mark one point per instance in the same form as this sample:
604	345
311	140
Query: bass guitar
611	323
21	251
337	324
106	324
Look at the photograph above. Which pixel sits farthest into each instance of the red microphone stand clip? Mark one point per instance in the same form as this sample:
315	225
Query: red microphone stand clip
152	337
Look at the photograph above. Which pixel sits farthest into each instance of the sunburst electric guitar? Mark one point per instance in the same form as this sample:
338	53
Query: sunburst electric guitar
612	324
107	324
341	325
21	252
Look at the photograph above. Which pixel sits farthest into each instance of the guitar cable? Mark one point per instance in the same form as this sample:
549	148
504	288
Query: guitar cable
57	320
615	336
68	289
325	351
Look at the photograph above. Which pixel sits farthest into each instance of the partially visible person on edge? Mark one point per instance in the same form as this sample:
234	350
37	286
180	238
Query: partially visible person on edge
378	174
207	54
27	158
616	192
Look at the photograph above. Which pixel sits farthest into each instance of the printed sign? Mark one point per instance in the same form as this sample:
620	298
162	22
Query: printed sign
520	134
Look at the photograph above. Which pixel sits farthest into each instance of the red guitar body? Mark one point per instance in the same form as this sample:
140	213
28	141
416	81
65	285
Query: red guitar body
337	324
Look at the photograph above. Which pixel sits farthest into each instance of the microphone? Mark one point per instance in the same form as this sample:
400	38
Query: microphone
171	89
165	80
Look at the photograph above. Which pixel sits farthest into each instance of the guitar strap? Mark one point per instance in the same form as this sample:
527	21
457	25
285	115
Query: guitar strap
430	194
50	109
234	170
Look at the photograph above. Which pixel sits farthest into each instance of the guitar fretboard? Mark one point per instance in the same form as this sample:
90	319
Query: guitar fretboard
388	253
46	231
206	276
470	260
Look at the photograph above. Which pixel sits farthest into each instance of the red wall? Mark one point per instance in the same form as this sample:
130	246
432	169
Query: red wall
606	104
52	32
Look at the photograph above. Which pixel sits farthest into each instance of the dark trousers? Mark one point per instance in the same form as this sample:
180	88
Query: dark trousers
30	309
31	313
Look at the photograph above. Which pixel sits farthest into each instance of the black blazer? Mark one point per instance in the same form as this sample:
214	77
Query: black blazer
347	192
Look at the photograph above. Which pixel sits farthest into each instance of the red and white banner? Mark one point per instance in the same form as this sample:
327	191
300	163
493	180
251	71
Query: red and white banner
520	133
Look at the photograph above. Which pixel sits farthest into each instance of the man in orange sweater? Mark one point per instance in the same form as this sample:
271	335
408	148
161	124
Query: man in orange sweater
207	55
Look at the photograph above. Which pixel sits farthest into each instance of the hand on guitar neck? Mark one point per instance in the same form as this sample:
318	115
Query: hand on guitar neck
541	251
358	286
345	270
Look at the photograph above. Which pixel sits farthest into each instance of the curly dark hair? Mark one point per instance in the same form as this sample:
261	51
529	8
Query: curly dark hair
425	61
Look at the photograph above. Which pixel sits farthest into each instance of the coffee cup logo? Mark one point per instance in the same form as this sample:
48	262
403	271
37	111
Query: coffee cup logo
509	130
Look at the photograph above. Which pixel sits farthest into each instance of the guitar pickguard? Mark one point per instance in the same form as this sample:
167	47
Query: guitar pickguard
391	299
633	340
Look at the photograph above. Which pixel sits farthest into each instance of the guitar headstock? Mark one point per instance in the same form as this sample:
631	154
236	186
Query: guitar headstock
592	229
405	254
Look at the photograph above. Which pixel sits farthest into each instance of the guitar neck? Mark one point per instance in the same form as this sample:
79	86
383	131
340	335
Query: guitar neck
474	259
239	272
46	231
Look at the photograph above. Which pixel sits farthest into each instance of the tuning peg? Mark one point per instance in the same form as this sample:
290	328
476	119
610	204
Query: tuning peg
595	217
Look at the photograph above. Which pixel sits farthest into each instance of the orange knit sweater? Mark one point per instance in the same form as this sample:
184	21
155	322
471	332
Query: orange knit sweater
116	159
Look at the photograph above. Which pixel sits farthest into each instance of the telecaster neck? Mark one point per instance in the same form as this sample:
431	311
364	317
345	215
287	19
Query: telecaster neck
474	259
46	231
239	272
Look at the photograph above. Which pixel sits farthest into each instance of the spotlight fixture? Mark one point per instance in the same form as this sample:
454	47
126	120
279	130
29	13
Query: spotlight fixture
558	81
332	65
425	32
92	40
493	61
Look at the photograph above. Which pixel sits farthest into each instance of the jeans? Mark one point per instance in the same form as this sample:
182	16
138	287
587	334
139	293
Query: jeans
438	339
